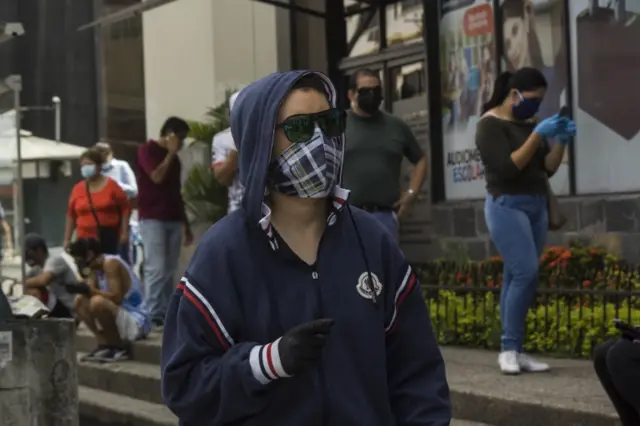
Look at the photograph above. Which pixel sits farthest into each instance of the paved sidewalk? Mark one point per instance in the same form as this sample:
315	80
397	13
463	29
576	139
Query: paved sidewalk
569	394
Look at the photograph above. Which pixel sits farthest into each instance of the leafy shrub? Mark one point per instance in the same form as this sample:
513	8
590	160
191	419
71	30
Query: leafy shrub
206	200
581	289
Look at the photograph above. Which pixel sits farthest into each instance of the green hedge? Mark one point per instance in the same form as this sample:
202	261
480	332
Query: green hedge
583	289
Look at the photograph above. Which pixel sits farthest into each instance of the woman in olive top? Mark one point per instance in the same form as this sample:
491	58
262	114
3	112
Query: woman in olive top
519	153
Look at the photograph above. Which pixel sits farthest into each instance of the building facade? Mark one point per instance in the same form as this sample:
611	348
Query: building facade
437	61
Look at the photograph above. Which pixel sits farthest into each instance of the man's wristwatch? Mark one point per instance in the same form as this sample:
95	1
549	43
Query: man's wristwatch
411	192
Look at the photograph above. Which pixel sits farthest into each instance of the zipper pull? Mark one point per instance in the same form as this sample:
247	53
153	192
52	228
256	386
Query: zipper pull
314	275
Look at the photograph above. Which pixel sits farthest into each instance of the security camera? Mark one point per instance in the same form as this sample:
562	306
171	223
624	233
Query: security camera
9	30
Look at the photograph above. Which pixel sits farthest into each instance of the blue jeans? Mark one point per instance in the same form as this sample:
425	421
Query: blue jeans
162	242
518	227
128	251
389	221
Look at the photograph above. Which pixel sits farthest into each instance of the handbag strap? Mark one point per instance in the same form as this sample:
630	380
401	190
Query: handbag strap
93	210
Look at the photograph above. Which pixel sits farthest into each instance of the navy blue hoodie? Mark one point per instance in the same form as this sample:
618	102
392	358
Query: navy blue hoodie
244	288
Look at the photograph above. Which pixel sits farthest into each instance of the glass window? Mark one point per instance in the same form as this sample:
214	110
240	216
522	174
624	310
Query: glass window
364	26
606	63
404	22
534	36
409	102
467	72
409	81
123	104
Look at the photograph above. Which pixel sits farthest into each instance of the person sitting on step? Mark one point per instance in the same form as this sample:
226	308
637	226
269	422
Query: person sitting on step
110	301
48	276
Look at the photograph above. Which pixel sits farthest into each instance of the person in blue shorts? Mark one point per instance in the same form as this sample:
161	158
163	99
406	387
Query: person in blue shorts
110	304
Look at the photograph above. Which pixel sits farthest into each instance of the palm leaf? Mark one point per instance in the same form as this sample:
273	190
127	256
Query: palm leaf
205	199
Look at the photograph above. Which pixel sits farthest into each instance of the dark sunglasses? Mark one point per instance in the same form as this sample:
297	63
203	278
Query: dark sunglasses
363	91
300	128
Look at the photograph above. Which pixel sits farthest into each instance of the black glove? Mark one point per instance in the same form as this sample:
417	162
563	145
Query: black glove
301	347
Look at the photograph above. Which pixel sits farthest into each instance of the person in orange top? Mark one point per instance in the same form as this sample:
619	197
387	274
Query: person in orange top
98	207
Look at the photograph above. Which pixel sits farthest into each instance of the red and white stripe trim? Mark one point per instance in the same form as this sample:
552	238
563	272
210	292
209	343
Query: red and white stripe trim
265	362
339	200
407	284
203	305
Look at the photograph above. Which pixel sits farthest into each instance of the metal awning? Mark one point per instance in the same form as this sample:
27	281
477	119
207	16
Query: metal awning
145	6
126	13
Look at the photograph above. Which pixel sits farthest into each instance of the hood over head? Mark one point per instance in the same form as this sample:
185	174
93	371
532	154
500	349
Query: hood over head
253	121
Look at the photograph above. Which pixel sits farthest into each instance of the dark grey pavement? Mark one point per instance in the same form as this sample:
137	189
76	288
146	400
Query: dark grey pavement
569	395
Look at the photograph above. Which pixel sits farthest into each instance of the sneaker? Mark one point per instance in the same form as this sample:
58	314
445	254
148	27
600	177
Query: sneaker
114	355
95	354
158	324
508	361
531	365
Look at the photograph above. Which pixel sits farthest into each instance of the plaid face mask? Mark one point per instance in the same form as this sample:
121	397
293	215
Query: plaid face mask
309	169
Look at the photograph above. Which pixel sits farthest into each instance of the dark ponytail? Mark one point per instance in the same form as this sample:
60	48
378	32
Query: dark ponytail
500	91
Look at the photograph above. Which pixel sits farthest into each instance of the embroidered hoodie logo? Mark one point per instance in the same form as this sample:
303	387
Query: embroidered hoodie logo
363	287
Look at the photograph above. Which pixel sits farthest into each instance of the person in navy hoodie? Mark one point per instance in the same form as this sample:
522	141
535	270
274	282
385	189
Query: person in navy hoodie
298	309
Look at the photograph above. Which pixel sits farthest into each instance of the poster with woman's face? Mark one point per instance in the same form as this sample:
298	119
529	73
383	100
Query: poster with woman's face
533	35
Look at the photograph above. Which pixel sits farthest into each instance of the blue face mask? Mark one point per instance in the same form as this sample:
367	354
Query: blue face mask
88	171
527	108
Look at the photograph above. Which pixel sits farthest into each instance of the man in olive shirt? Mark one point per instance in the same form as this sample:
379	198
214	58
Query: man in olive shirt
376	144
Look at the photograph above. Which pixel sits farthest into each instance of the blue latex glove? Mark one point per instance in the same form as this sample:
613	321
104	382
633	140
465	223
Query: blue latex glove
565	135
550	127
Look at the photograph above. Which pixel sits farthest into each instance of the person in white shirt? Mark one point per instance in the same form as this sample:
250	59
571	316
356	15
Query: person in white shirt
6	233
121	172
118	170
225	162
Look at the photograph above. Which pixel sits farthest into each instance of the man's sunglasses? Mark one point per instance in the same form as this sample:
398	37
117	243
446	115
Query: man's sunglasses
366	91
300	128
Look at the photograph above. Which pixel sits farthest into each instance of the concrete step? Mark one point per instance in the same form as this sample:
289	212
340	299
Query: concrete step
569	395
138	381
100	408
127	378
145	351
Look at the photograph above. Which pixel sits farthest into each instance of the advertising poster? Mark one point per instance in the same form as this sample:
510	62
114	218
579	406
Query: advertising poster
468	72
606	65
533	34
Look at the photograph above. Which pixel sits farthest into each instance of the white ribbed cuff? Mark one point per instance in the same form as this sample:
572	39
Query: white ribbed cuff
265	362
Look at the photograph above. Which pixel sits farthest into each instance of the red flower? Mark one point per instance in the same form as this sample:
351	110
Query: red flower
553	264
611	284
490	284
586	283
459	276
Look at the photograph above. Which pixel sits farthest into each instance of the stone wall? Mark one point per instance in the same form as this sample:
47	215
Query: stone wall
38	373
609	221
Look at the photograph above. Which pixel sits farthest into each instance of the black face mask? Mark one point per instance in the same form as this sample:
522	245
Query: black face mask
84	267
369	99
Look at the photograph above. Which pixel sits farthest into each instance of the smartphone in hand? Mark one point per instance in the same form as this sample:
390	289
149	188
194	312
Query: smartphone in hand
78	288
